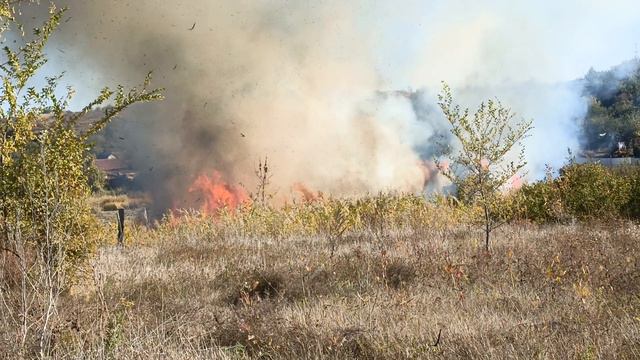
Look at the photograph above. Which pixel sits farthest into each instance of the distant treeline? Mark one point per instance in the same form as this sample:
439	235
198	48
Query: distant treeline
612	123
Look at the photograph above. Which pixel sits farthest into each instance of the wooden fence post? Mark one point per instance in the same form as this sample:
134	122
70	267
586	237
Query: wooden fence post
121	227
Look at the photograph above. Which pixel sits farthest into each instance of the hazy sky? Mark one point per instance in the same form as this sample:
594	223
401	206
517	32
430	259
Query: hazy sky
420	43
424	42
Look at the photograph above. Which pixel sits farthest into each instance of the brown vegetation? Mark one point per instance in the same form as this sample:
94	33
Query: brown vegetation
189	290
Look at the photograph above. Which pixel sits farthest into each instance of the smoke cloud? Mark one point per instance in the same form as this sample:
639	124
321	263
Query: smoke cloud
324	89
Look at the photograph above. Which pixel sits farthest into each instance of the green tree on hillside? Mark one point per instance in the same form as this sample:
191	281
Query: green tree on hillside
46	227
614	110
481	161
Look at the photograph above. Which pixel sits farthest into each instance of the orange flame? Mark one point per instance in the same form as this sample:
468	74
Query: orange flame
214	193
443	166
430	169
307	194
515	182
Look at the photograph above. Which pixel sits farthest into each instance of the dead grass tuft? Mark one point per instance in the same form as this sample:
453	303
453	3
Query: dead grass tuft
398	273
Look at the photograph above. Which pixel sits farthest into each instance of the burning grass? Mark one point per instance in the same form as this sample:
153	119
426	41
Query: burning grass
414	283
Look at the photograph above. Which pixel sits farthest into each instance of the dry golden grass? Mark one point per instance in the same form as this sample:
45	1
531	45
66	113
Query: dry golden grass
110	202
195	289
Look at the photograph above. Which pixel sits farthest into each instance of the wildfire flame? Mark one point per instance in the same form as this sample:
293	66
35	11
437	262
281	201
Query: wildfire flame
214	193
443	165
516	182
307	194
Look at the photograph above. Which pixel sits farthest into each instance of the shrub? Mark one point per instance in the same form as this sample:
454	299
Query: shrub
631	174
633	205
540	202
592	190
583	191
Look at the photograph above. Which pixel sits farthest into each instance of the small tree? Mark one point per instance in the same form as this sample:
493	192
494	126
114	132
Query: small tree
47	229
481	163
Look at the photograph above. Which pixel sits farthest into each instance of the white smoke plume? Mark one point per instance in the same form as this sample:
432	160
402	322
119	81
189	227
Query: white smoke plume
313	85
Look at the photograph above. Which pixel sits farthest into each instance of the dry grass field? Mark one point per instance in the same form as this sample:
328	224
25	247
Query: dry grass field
194	289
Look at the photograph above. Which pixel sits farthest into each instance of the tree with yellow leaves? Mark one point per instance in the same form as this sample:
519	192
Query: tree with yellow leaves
46	226
481	163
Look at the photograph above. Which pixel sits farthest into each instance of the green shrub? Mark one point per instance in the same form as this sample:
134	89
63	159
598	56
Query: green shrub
631	174
583	191
633	205
592	190
540	202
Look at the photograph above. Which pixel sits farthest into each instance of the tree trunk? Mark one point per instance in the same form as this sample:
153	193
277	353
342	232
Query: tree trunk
487	228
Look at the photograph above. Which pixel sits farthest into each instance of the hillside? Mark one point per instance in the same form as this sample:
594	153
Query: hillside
612	124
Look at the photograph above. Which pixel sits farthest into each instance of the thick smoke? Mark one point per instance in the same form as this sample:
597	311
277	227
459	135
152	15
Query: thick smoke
314	86
247	81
